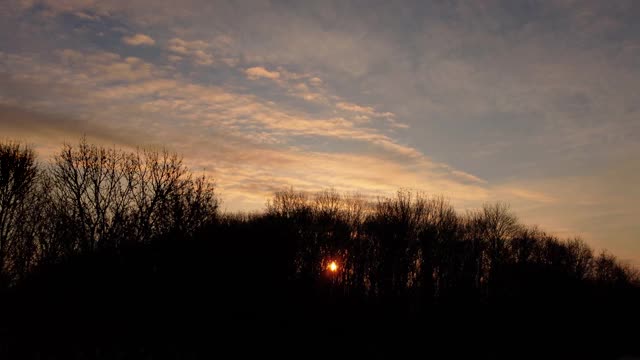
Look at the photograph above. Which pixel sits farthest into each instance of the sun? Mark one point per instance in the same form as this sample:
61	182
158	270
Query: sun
333	266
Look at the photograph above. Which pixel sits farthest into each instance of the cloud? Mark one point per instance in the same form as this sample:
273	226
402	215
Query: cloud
252	140
295	84
396	124
138	40
154	105
48	131
87	16
356	108
186	47
104	66
510	98
197	50
311	88
257	72
366	112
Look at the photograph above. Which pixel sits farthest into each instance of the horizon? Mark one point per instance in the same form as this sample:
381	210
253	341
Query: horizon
533	105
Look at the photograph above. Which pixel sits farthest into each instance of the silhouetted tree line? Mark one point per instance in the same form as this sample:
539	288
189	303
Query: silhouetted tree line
101	244
419	247
90	198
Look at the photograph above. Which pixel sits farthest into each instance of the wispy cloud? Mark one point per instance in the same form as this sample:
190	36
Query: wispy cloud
48	131
356	108
87	16
242	125
104	66
196	50
138	40
257	72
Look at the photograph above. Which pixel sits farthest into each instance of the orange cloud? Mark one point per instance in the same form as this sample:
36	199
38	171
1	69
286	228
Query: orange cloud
196	50
356	108
257	72
138	40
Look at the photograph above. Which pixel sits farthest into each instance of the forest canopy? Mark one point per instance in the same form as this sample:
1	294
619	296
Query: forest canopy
90	197
117	252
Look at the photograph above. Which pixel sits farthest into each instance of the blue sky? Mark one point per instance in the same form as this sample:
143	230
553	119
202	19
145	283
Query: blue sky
530	102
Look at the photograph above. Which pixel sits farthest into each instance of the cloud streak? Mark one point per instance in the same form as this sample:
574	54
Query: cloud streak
196	50
257	72
138	40
256	124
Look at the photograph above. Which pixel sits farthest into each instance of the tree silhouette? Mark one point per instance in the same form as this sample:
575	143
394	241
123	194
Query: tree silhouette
106	252
18	196
109	196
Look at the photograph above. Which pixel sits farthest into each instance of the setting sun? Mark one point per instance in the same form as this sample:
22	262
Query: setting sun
333	266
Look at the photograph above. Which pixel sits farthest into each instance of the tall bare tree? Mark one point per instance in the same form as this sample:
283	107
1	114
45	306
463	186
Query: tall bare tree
18	184
109	196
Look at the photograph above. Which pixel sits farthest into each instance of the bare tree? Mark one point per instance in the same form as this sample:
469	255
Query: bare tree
194	206
580	258
108	196
93	187
18	178
159	178
393	228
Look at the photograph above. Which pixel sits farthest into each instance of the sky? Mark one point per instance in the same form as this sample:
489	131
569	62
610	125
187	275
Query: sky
534	103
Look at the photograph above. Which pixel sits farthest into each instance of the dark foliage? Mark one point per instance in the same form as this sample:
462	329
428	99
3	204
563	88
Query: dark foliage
108	254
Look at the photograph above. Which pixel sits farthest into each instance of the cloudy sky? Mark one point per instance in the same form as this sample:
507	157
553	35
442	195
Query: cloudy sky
536	103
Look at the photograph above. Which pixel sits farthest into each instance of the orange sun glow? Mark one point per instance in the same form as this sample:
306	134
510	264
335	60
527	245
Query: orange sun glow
333	267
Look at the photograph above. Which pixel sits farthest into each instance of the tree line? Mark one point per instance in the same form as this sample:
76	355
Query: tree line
89	198
118	244
413	245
